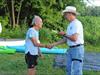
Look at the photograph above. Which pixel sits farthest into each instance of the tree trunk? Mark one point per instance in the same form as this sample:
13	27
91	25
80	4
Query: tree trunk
19	12
13	14
8	13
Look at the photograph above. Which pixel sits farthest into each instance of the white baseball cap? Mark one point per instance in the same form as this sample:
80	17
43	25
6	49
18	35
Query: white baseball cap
71	9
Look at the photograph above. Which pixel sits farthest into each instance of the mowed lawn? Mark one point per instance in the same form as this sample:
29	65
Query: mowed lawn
14	64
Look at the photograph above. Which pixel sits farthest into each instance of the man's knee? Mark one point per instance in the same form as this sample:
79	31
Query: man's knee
77	67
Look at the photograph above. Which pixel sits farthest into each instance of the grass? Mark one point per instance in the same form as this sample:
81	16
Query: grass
92	48
14	64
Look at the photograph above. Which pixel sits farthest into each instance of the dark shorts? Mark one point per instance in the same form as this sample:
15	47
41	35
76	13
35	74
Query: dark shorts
31	60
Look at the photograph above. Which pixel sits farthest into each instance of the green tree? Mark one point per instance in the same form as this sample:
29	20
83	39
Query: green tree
50	10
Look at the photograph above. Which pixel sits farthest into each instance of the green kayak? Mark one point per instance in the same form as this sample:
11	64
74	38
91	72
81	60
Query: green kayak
5	50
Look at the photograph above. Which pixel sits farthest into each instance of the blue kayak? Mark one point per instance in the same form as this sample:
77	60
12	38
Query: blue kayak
43	50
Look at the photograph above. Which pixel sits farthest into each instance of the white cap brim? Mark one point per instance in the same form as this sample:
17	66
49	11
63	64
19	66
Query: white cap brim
65	11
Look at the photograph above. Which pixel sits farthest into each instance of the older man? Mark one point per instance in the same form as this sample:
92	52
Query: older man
75	41
32	45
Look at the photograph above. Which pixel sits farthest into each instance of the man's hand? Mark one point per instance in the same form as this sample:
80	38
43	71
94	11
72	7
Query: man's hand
49	46
41	56
62	33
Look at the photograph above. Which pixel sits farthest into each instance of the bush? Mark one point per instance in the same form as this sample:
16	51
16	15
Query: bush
16	32
47	35
91	29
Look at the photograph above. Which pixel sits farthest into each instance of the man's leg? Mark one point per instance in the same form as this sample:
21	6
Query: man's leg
32	71
69	62
77	67
77	60
31	61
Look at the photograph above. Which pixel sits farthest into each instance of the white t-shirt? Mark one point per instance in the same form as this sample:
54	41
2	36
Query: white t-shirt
0	28
75	27
29	46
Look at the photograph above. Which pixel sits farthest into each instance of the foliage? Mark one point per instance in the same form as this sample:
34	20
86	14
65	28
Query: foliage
4	21
92	11
14	33
50	11
47	35
36	7
91	29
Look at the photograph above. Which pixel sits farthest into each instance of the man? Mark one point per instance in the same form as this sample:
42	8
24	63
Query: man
75	41
32	45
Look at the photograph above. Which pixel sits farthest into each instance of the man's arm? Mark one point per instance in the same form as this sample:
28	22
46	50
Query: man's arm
35	42
72	37
39	52
59	42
